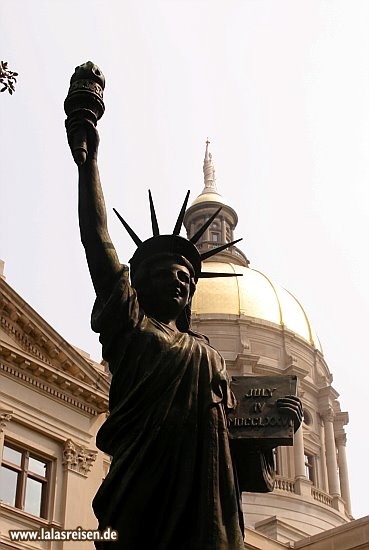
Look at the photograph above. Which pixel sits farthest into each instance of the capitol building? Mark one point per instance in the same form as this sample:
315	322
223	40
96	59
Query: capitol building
53	399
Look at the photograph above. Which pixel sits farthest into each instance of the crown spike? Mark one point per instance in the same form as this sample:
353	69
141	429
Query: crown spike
154	221
178	225
214	251
202	229
130	231
213	274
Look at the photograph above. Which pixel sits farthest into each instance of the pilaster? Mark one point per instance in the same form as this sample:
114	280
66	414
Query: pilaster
77	462
5	417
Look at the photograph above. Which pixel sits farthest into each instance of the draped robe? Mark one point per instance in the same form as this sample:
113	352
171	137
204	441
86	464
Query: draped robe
171	483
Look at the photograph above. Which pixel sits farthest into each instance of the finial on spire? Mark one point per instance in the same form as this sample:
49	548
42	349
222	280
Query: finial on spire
209	171
206	149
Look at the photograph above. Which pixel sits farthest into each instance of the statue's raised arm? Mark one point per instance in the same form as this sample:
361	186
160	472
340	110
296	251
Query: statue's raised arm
84	106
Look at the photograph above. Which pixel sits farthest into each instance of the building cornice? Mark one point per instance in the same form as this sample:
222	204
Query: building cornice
37	338
53	382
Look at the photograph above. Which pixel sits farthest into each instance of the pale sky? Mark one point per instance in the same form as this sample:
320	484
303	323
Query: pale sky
280	88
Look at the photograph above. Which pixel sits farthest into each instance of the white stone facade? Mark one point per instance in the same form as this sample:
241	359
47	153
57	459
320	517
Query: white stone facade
52	401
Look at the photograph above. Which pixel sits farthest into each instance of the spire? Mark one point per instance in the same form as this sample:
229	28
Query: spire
209	172
210	221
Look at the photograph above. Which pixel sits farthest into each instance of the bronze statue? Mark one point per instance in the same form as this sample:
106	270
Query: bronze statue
171	484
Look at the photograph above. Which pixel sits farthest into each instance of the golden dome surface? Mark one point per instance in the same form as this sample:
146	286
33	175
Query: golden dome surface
209	196
253	295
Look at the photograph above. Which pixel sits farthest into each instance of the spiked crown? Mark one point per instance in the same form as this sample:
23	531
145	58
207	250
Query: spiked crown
174	243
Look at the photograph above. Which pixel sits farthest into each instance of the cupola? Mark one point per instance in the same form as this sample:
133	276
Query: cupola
221	230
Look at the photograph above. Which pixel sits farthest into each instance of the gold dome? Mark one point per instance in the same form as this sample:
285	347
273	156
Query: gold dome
253	295
209	196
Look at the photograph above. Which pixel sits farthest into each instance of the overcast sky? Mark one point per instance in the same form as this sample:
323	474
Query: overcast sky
281	89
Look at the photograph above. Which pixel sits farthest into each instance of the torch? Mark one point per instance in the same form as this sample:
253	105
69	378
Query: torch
84	101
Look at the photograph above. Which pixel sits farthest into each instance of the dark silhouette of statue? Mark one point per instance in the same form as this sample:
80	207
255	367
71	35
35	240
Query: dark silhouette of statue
171	484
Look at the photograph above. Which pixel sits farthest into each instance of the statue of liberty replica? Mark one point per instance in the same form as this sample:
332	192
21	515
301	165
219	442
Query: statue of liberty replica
172	483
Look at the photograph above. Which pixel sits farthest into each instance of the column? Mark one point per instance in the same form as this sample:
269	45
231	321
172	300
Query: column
331	453
223	229
343	472
302	483
298	451
207	232
323	461
277	461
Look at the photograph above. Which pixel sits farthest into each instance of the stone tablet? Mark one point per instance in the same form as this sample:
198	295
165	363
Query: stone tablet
257	417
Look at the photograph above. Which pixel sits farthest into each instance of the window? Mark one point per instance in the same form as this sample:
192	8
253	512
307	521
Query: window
310	466
24	480
214	237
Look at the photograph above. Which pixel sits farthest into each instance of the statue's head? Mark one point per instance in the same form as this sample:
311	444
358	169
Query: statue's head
166	268
165	284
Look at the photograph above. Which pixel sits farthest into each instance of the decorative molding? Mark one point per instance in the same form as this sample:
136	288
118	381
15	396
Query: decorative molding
246	362
32	334
342	418
296	368
322	496
341	439
277	529
21	338
326	399
301	393
290	358
32	341
284	484
313	441
245	342
5	417
328	415
77	458
53	391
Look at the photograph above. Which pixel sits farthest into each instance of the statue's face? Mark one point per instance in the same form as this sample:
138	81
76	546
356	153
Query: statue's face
170	286
164	286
